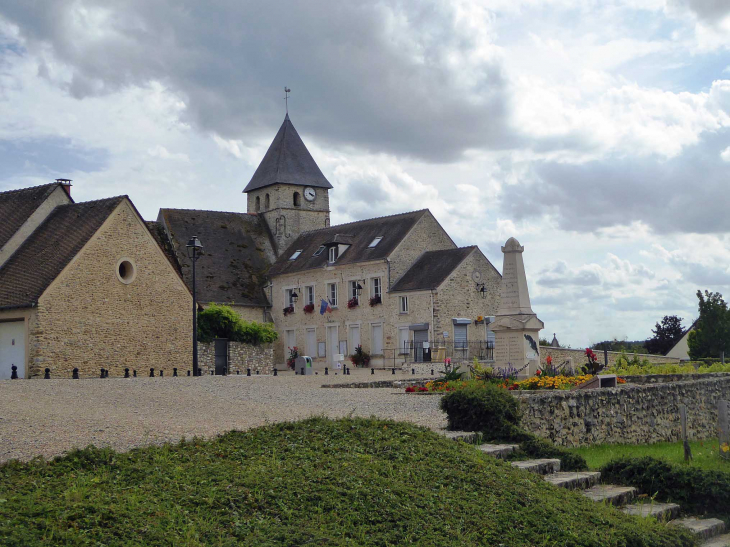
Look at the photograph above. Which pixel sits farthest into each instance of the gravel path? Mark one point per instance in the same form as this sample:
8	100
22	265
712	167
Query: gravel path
50	417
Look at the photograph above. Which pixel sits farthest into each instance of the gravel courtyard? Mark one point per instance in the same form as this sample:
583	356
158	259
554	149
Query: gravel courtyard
50	417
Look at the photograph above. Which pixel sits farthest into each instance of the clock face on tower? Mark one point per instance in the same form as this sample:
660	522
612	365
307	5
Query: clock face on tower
309	193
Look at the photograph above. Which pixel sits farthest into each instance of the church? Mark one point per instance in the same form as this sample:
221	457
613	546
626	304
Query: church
398	286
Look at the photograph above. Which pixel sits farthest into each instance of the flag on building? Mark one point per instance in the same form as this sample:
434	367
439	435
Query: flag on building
324	306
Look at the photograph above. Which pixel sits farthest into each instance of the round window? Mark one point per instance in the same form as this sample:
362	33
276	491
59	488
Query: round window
126	270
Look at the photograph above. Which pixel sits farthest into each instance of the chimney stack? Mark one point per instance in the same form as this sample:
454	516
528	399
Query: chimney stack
66	183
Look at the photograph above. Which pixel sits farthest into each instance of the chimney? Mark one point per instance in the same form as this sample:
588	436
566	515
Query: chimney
66	183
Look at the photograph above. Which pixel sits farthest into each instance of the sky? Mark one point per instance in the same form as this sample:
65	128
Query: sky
596	132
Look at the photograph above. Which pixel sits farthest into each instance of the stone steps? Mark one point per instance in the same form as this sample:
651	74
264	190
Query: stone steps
470	437
574	480
719	541
545	466
498	450
610	493
702	528
663	512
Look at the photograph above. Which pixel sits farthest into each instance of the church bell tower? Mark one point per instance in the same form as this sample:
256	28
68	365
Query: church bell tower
288	189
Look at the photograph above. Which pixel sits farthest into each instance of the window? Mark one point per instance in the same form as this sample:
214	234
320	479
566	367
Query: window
126	271
297	199
258	203
334	253
309	295
319	251
403	340
353	289
375	289
267	202
296	254
374	242
403	304
332	294
288	300
291	339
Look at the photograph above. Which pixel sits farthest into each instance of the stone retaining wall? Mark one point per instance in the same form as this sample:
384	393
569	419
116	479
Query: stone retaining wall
666	378
260	359
578	356
632	414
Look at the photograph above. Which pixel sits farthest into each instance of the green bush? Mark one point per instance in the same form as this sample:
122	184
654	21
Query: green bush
217	321
495	413
696	490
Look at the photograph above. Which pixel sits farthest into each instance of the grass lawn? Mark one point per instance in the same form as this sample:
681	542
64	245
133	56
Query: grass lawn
315	482
705	454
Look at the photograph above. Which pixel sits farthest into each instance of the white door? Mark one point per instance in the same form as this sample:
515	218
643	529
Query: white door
12	348
333	344
311	348
377	344
354	337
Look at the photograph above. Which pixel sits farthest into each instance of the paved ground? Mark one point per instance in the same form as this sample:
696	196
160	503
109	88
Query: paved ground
49	417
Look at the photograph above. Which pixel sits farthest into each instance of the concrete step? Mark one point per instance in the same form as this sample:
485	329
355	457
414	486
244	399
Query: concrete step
702	528
719	541
660	511
465	436
574	479
610	493
541	467
498	450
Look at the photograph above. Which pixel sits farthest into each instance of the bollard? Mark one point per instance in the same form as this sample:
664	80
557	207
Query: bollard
75	374
152	373
126	373
413	371
348	371
248	372
372	371
106	373
102	374
134	373
393	370
212	372
238	371
188	373
431	372
276	372
14	373
160	373
174	371
326	371
48	374
258	372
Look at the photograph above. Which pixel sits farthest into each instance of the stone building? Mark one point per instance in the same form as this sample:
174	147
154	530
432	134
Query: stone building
430	291
86	285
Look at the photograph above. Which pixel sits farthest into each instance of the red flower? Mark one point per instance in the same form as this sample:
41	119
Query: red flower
538	372
422	388
410	389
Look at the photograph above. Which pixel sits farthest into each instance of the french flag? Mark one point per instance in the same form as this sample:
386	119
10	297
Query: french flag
324	307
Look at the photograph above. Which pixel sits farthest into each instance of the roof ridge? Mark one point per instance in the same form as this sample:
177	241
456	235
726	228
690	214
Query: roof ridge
91	201
29	188
283	144
207	211
364	220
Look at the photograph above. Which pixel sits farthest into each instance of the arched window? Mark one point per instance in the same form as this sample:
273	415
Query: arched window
266	202
258	203
297	200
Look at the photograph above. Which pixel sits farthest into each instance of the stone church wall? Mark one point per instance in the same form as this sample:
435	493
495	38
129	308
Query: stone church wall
88	319
633	414
260	359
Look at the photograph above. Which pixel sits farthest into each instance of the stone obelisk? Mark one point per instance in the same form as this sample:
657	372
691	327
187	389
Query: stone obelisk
516	327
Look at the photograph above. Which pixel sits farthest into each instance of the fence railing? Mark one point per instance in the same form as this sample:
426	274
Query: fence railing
436	352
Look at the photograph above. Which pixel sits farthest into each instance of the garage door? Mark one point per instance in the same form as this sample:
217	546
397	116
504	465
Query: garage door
12	348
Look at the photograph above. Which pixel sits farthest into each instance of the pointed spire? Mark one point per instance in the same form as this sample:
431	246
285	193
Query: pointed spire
287	161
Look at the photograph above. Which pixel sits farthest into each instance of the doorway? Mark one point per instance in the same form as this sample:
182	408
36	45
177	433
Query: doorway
221	356
333	344
12	348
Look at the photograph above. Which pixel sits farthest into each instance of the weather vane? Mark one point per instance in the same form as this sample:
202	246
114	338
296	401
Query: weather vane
286	98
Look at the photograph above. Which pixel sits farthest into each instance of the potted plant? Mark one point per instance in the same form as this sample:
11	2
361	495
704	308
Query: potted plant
293	354
375	300
352	302
288	310
360	358
309	308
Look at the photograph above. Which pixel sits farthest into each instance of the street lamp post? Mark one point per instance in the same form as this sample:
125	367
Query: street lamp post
194	249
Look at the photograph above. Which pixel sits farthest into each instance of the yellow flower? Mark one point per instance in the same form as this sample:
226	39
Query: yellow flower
725	447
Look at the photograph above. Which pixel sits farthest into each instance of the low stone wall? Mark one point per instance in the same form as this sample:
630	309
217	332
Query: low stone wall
644	379
632	414
578	356
260	359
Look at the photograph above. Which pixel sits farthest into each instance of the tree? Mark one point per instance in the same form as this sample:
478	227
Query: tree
223	322
666	334
711	334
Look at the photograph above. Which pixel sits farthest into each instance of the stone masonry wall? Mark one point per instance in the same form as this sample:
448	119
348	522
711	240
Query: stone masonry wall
89	319
578	356
633	414
260	359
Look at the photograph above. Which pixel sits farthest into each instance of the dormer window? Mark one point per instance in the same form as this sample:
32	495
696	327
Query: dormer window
296	254
333	253
319	251
375	242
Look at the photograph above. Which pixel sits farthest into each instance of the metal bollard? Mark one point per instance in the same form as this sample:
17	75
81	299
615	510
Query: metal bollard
372	371
126	373
248	372
106	373
258	372
238	372
47	376
326	371
188	373
134	373
393	370
276	372
14	372
431	372
152	373
160	373
75	374
102	374
174	371
348	371
413	371
212	372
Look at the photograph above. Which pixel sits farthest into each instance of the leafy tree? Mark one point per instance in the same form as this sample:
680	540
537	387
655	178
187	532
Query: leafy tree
666	334
223	322
620	345
711	335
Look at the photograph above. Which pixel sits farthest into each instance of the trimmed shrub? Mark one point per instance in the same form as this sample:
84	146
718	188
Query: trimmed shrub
488	409
217	321
696	490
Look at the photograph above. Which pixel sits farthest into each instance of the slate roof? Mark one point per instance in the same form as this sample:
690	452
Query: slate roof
48	250
237	252
17	205
392	228
158	233
431	269
287	161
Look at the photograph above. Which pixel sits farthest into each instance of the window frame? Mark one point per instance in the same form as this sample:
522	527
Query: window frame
319	250
404	349
379	292
403	307
332	295
287	297
296	254
352	288
374	243
307	301
333	254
